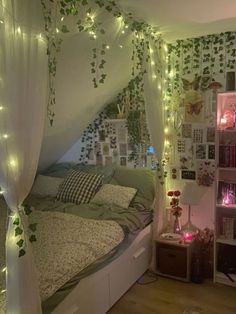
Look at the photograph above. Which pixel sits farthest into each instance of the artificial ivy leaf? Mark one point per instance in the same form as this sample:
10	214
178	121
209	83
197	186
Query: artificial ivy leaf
18	231
81	28
102	31
20	242
32	238
16	221
32	227
21	252
84	2
64	29
27	209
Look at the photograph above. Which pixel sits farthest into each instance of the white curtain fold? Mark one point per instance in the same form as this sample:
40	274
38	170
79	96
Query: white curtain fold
23	73
153	93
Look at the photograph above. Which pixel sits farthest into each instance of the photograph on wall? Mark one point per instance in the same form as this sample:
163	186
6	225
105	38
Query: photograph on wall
211	151
113	142
99	160
108	160
186	130
184	162
97	148
131	147
201	151
123	161
122	135
102	135
210	137
198	135
91	154
205	172
123	149
181	146
105	149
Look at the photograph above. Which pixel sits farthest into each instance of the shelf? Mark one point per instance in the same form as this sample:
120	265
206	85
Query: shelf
226	241
221	278
227	168
226	130
232	206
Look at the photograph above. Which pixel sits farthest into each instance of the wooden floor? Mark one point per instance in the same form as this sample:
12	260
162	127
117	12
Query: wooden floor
167	296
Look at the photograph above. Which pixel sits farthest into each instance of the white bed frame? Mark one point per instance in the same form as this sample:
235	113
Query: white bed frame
97	293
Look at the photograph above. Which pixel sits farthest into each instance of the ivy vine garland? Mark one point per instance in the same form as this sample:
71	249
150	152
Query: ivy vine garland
60	15
19	231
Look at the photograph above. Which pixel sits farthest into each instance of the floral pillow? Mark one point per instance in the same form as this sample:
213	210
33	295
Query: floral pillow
114	195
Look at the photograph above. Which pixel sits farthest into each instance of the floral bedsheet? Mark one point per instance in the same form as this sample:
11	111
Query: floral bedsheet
66	244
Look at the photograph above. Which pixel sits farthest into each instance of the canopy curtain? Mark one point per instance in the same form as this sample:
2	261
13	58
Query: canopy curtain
23	72
154	84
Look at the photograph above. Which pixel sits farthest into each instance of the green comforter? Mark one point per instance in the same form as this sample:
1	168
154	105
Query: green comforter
130	219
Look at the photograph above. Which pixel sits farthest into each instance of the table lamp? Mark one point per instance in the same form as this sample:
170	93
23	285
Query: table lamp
191	195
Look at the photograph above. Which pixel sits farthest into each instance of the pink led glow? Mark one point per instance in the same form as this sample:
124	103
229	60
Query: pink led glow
188	236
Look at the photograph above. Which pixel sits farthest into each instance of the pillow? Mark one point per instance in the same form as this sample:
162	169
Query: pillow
79	187
45	185
139	178
114	195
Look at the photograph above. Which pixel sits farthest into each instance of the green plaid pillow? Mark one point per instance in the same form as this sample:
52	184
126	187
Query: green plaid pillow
79	187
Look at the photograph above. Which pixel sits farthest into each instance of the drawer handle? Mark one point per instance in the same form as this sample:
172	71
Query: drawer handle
171	255
139	252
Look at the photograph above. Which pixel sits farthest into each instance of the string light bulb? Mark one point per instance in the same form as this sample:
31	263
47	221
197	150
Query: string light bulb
57	30
18	30
4	269
1	108
152	63
154	76
121	46
5	136
62	18
1	21
122	31
3	291
107	47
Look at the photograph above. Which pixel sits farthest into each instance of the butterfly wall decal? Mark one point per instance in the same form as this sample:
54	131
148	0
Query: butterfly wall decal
198	83
194	108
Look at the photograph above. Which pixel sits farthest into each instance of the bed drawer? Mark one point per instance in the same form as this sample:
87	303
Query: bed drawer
80	303
129	268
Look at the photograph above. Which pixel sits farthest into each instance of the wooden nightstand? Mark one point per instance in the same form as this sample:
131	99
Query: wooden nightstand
173	259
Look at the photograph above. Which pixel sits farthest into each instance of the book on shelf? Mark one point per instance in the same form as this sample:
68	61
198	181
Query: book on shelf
227	156
228	227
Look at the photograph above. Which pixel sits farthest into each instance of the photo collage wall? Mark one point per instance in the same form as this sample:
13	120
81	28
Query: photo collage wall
200	68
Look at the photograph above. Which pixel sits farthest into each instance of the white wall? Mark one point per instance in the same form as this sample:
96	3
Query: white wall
77	101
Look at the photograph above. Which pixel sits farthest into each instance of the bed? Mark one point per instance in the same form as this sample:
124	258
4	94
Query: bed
111	257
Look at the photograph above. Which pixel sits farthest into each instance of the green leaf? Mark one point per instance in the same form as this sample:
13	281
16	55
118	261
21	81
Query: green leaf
32	238
33	227
64	29
21	252
16	221
20	242
84	2
27	209
18	231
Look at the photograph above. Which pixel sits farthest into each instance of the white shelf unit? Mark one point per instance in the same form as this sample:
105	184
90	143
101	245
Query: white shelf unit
225	192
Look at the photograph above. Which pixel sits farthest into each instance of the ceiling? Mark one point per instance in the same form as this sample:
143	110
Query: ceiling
179	19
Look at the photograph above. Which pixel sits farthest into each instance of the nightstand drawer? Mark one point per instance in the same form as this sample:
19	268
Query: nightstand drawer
173	260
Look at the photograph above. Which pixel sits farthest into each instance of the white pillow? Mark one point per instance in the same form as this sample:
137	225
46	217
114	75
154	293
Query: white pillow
114	195
45	185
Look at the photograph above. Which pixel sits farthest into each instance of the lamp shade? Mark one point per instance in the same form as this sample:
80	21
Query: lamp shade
192	194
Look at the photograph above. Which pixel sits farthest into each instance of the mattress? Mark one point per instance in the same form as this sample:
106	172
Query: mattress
3	217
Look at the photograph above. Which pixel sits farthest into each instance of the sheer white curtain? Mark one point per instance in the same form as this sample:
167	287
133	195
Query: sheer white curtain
154	84
23	73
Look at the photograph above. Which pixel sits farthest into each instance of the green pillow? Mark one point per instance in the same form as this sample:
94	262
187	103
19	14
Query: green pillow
139	178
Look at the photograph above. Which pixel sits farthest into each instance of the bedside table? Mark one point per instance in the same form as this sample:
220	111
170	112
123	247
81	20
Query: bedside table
173	259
